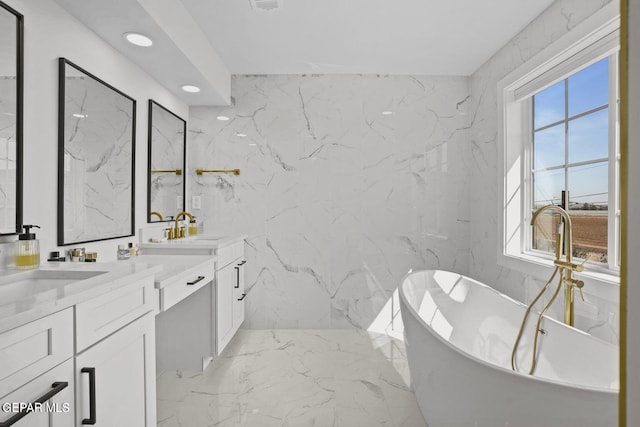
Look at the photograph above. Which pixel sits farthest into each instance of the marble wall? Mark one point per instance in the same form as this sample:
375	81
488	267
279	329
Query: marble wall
338	200
599	314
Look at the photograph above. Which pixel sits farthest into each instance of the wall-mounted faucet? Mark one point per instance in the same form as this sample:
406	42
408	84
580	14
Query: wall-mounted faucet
566	266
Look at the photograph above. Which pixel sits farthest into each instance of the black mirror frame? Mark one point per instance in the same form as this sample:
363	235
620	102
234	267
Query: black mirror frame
19	115
62	62
184	157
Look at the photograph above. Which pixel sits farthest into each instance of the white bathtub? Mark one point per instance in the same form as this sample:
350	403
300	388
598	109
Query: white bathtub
459	335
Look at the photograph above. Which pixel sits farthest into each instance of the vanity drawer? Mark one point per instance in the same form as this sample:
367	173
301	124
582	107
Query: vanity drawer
56	386
32	349
101	316
230	253
185	284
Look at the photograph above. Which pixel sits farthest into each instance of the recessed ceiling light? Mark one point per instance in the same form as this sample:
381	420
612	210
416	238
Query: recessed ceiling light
138	39
241	135
190	88
387	113
222	118
80	116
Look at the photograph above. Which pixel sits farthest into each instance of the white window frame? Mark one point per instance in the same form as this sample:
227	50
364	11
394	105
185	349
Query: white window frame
593	39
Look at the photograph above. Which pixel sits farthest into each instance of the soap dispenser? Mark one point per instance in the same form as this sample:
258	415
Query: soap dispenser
27	249
193	227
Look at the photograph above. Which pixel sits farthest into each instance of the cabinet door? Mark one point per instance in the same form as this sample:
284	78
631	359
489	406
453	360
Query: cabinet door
239	295
225	282
115	379
55	411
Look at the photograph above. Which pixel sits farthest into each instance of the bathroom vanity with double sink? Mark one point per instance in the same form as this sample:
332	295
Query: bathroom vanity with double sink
80	343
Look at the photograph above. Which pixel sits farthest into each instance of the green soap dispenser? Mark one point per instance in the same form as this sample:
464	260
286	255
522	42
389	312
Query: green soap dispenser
27	249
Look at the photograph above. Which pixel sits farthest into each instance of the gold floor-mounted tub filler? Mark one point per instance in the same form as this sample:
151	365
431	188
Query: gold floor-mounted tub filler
566	268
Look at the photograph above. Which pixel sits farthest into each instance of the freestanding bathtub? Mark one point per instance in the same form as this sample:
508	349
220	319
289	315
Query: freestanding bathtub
459	335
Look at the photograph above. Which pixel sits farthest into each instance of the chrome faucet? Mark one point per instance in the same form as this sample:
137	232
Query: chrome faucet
566	266
177	231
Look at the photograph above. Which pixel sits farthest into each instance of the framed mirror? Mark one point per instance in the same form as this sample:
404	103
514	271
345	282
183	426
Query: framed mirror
167	152
96	158
11	99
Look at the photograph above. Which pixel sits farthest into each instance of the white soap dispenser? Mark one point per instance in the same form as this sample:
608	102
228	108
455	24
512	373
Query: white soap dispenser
27	249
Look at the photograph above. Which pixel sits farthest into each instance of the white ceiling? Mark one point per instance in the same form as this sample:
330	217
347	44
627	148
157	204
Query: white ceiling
203	41
438	37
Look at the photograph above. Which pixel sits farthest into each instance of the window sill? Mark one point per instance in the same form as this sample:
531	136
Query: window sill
597	283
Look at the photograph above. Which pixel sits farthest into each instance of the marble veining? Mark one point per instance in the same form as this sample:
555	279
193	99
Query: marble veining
599	315
295	378
338	200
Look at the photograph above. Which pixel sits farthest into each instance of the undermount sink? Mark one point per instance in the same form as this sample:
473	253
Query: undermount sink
25	284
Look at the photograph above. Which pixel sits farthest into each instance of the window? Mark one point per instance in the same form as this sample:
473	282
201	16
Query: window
572	141
558	122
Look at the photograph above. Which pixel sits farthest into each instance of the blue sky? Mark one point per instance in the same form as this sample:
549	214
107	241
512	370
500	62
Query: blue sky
587	136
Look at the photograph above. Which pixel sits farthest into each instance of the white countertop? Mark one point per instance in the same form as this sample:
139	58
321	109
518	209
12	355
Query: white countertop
33	301
199	242
26	296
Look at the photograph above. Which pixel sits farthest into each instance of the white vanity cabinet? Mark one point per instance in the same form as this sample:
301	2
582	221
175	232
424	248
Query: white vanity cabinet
230	293
115	360
79	352
227	298
239	294
36	367
224	307
185	337
115	379
56	410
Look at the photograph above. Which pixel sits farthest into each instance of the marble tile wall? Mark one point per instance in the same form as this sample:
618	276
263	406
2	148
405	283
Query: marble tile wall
599	315
338	200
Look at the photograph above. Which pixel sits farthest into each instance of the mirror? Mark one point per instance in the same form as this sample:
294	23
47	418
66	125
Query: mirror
96	137
167	148
11	67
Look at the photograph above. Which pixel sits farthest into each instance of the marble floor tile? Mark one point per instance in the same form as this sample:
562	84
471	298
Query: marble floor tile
295	378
